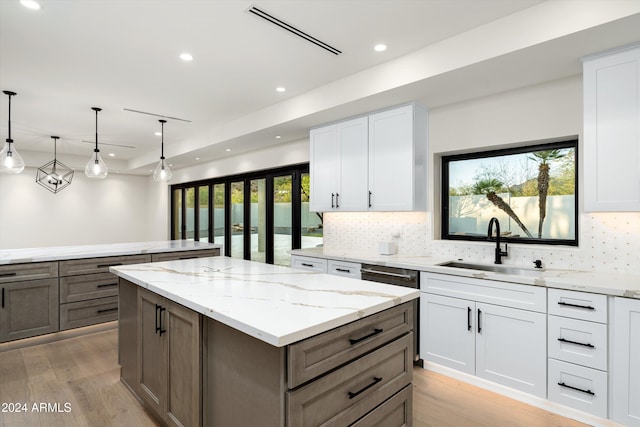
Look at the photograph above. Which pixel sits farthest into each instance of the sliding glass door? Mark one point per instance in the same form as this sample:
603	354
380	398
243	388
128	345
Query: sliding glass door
258	216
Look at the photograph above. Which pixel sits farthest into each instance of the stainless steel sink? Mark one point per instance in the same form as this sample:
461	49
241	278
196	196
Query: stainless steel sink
520	271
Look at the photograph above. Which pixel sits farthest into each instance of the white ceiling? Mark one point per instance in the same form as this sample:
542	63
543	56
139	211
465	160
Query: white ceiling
75	54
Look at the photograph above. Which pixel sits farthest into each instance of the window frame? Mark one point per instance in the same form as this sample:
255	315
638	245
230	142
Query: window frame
569	142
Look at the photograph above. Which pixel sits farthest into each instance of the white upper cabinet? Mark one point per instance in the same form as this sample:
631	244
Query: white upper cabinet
612	132
397	159
338	155
371	163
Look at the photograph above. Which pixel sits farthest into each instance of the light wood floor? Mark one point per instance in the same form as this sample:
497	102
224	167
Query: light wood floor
83	373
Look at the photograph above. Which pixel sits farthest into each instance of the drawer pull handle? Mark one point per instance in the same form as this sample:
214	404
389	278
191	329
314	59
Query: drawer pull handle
109	265
332	202
304	264
107	310
13	273
354	341
353	394
343	270
576	342
576	388
106	285
586	307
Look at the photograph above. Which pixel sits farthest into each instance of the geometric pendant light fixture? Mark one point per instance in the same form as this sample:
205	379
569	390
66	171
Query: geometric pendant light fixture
54	176
96	167
162	173
10	160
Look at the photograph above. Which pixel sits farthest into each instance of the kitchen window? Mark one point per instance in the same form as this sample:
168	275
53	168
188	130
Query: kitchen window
531	190
256	216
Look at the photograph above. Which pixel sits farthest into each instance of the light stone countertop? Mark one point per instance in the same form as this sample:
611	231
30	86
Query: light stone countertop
278	305
18	256
614	284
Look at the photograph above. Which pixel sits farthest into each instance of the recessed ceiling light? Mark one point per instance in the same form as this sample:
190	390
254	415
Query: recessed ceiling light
278	137
31	4
158	134
170	165
281	89
186	56
197	158
228	149
112	155
380	47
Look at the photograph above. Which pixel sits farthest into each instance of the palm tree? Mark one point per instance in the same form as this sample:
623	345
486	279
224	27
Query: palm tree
544	158
489	187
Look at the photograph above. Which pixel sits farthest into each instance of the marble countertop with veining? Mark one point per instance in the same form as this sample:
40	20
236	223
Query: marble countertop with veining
614	284
58	253
278	305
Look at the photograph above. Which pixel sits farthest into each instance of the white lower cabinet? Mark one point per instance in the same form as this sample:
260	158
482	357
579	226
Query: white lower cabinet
343	268
318	265
502	344
578	387
626	362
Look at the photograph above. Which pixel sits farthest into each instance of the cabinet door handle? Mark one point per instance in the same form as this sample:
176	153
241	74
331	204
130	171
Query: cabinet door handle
353	394
107	310
106	285
162	329
343	270
13	273
561	384
576	343
586	307
2	297
376	331
332	204
479	325
157	327
469	319
337	198
109	265
188	257
370	199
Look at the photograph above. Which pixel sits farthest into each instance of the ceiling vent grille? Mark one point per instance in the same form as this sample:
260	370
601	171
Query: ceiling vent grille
267	17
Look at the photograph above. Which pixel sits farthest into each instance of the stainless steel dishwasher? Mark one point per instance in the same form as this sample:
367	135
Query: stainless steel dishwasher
398	277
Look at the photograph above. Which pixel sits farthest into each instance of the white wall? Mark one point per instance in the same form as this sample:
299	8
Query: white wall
272	157
87	212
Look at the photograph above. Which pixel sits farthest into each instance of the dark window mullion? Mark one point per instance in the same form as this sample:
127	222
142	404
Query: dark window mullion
296	210
196	213
210	222
183	225
227	218
246	234
269	218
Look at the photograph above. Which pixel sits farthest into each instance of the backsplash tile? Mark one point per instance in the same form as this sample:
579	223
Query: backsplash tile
609	242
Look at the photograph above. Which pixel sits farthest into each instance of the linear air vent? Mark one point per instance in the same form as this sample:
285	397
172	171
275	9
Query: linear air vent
267	17
156	115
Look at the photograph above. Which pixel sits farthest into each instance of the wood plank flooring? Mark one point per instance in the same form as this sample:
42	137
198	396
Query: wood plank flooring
80	375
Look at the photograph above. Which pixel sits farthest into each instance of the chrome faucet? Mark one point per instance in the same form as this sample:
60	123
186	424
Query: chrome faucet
499	252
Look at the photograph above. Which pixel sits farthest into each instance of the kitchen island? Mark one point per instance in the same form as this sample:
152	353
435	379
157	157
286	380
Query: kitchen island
221	341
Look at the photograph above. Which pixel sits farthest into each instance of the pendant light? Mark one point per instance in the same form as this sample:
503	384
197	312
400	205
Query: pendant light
162	173
10	160
54	176
96	167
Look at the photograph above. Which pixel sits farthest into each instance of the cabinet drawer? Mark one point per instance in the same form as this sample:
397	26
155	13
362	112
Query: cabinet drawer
578	341
344	268
583	388
76	267
170	256
28	271
83	313
525	297
324	352
88	286
578	305
395	412
308	263
345	395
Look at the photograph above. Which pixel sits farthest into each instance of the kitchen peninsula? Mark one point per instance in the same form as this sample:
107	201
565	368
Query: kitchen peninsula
231	342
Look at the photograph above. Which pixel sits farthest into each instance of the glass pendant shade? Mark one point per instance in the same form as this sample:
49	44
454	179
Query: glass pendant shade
96	167
54	176
162	173
10	160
